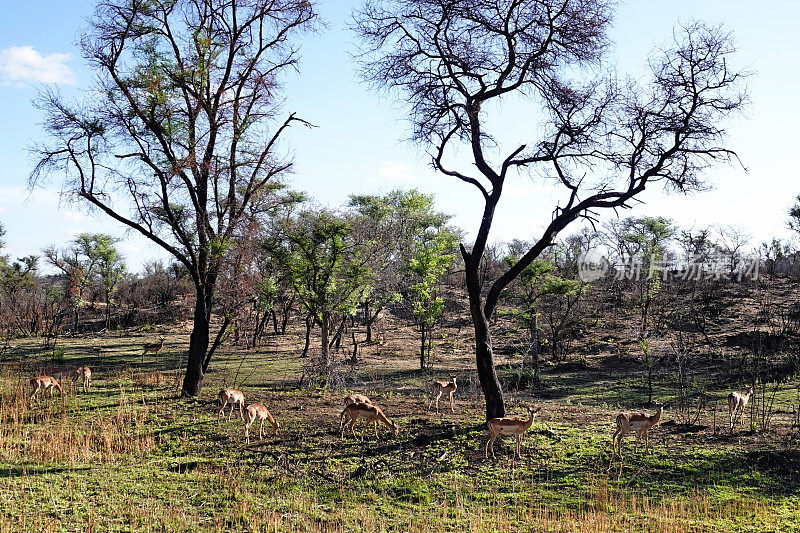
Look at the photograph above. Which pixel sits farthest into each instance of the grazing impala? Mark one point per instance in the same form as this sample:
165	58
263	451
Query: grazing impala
510	426
230	396
356	398
254	412
85	373
155	348
353	398
639	422
737	401
369	412
47	383
439	388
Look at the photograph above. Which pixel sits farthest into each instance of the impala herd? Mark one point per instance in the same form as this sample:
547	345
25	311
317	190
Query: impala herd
359	406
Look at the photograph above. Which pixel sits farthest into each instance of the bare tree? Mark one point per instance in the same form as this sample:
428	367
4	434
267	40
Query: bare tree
181	135
732	241
603	142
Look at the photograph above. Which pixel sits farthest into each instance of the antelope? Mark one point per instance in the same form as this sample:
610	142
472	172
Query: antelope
230	396
440	387
155	348
353	398
47	383
640	422
369	412
737	401
509	426
356	398
86	373
256	411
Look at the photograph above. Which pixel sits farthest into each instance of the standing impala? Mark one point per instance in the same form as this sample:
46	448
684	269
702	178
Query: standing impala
639	422
371	413
155	348
84	373
510	426
47	383
441	387
737	401
254	412
233	397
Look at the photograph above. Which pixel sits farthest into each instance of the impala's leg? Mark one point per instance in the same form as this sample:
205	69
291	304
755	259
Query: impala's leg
261	430
352	429
219	416
490	444
241	408
731	414
614	441
517	447
247	432
453	409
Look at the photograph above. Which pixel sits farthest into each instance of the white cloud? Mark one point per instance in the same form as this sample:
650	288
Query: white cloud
23	64
393	172
75	216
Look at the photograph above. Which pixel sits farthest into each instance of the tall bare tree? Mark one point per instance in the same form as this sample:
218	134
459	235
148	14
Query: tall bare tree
181	134
604	142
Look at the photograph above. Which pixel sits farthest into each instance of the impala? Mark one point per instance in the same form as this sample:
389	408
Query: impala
155	348
85	373
639	422
230	396
356	398
47	383
256	411
369	412
510	426
439	388
737	401
353	398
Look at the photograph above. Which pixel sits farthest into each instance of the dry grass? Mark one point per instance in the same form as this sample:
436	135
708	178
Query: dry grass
64	429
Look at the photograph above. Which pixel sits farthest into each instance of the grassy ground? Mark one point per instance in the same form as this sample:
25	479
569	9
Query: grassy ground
130	455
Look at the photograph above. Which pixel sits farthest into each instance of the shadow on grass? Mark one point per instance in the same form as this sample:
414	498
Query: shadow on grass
20	471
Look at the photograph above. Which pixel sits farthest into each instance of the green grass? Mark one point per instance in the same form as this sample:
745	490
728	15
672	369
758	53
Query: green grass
131	456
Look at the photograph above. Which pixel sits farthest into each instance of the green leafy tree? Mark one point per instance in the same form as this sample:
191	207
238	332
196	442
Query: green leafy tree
430	260
391	226
182	136
79	264
538	281
110	268
327	270
650	236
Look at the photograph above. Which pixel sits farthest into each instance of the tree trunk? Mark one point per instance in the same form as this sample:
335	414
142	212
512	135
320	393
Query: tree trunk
422	347
368	322
274	321
324	326
492	391
285	319
108	311
309	323
198	346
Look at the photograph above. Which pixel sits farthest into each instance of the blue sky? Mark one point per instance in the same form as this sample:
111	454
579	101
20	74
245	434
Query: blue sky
358	148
